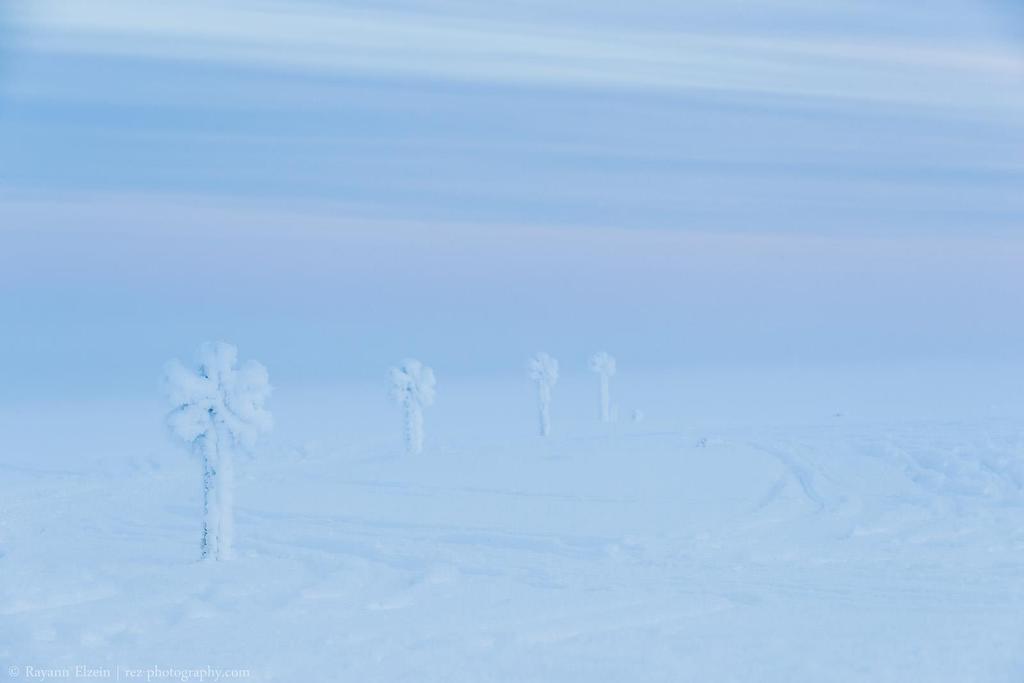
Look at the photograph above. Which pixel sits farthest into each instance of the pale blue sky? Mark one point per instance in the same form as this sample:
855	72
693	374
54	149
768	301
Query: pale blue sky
331	185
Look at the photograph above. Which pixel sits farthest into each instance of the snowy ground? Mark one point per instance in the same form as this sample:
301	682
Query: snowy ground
830	526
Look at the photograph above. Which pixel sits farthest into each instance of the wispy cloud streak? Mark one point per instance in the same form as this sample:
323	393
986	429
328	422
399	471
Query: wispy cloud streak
405	43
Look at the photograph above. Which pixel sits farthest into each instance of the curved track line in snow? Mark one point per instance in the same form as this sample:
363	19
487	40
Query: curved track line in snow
794	470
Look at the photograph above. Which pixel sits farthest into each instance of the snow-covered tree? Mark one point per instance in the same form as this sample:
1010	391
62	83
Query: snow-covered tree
412	386
604	365
543	370
218	410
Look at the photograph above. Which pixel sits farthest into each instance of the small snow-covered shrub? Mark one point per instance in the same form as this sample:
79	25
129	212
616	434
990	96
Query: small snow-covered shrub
543	369
604	365
412	387
218	408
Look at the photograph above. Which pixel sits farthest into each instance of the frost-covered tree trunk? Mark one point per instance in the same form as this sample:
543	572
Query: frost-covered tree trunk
218	496
604	365
412	386
212	546
211	506
543	369
544	408
218	408
413	426
606	400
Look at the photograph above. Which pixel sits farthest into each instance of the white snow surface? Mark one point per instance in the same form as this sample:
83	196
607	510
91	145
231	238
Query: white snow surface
841	525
